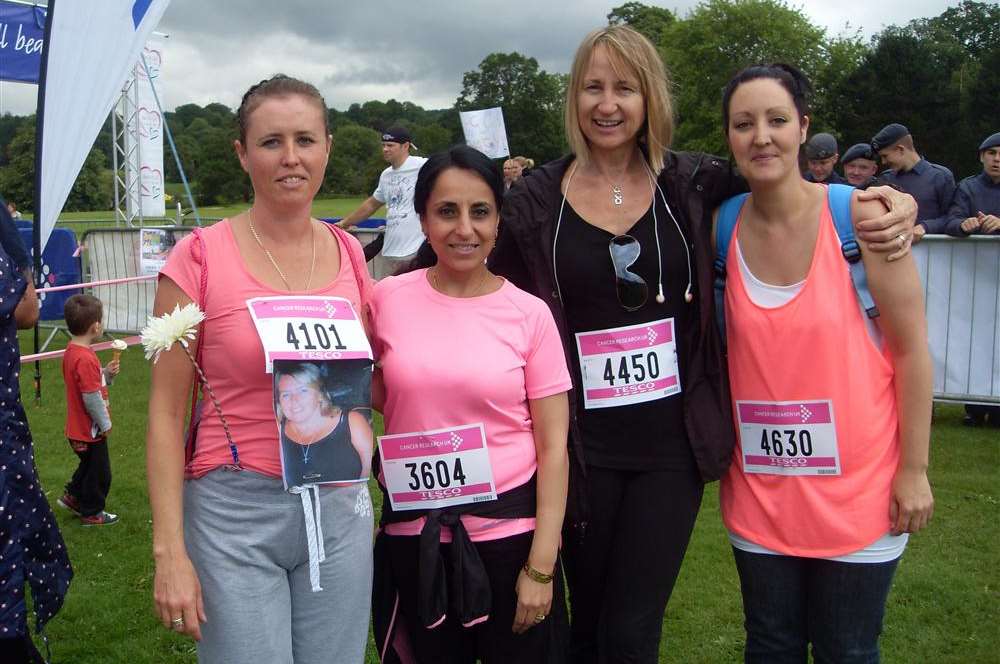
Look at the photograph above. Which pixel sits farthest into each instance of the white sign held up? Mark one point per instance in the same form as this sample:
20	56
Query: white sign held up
485	131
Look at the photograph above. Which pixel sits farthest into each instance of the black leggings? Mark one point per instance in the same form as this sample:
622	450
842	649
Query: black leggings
492	641
621	576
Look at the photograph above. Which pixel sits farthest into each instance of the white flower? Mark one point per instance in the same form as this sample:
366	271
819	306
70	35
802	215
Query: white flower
162	333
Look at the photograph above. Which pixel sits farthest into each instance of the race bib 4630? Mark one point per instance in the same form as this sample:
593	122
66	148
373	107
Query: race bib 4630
788	437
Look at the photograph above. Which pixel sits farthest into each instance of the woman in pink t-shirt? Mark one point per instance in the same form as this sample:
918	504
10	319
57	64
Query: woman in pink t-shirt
474	461
832	410
236	568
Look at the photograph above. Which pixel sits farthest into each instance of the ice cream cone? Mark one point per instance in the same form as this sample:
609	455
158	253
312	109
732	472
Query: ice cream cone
118	346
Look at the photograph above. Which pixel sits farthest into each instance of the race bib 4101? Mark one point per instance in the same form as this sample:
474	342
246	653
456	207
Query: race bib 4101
308	328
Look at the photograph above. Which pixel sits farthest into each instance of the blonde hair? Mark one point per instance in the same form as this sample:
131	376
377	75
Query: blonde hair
525	162
629	52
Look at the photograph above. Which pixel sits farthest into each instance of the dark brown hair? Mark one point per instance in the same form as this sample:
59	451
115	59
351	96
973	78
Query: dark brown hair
82	311
789	77
278	85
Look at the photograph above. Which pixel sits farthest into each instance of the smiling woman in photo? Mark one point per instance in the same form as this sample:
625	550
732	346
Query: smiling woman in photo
321	441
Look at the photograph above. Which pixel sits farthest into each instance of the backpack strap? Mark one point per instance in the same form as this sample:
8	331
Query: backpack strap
840	207
725	224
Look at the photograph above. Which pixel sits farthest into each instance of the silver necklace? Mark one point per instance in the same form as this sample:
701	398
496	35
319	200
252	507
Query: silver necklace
616	194
274	263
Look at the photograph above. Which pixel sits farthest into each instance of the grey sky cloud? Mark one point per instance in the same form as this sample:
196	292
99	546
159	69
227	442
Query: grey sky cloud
410	51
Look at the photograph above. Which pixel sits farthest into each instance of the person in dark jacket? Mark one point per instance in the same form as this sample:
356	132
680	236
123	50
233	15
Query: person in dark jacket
932	185
821	157
615	238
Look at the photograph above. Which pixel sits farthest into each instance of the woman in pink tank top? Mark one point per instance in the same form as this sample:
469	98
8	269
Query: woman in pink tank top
832	412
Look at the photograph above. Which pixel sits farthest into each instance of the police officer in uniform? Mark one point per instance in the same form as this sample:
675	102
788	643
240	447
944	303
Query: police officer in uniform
860	166
976	209
821	155
932	185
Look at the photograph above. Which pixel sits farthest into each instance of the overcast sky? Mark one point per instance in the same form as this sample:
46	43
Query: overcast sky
411	51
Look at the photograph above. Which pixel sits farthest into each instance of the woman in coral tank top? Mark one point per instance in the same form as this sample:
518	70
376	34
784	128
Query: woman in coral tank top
832	409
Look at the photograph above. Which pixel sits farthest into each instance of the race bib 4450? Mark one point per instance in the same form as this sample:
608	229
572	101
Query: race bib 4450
626	365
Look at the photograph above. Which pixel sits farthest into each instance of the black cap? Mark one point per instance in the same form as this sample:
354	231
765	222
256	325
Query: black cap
889	136
859	151
397	134
991	142
821	146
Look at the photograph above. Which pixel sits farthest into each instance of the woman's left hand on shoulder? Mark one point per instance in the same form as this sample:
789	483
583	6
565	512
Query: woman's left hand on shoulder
533	599
912	503
892	232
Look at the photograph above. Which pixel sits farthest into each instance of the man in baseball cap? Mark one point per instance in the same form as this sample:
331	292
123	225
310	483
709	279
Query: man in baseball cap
821	155
402	235
860	165
931	185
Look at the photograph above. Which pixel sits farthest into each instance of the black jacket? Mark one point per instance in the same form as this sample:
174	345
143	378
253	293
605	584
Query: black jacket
694	185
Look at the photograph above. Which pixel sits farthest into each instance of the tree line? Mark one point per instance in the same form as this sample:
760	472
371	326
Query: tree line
939	76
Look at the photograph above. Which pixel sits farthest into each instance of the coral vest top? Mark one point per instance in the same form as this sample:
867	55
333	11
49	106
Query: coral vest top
815	411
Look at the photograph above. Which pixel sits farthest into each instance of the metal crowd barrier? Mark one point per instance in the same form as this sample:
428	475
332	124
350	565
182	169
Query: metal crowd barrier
961	280
114	253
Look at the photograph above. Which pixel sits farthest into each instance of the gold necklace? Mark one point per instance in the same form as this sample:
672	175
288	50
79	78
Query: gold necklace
312	265
437	287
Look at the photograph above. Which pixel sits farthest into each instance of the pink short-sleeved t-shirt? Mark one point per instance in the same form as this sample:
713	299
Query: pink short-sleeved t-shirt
453	361
232	355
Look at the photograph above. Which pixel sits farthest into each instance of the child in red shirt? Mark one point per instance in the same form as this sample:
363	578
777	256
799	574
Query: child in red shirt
88	420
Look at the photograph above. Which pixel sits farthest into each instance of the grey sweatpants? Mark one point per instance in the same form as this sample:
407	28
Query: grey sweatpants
246	538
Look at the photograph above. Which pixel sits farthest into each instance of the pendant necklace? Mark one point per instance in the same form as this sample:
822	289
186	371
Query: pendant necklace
274	263
616	194
307	447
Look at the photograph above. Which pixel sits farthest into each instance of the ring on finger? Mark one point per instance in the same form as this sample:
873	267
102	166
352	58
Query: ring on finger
902	239
177	623
540	617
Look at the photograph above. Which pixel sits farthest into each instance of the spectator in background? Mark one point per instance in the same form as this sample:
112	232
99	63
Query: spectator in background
976	209
821	156
511	172
860	165
526	165
12	208
395	191
10	238
932	185
88	420
32	550
976	205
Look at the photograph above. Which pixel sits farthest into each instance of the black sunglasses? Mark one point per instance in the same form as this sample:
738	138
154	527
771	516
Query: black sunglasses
632	289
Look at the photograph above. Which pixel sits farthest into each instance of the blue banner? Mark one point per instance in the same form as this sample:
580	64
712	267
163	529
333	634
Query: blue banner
60	267
22	33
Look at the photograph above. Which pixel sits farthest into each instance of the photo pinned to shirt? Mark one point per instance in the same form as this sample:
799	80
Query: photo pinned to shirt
323	413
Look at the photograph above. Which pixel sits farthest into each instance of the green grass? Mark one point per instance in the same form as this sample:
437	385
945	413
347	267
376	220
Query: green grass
944	607
322	207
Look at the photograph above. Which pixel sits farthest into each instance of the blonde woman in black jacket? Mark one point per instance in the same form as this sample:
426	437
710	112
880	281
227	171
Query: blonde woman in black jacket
616	239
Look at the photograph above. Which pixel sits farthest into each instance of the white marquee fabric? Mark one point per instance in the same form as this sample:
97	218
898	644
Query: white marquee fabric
91	48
